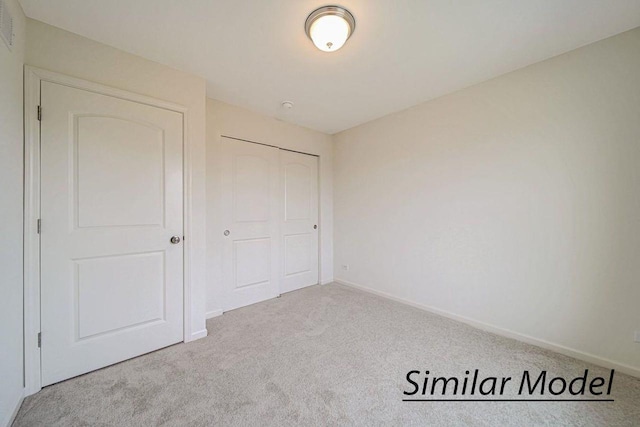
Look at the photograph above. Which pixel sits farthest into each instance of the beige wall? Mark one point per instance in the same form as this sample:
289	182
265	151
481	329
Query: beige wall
225	119
57	50
11	193
514	203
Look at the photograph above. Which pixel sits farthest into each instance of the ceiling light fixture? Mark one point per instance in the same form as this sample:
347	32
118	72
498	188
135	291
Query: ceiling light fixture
329	27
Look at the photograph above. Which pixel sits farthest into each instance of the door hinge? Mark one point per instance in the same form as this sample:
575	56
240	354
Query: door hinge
39	339
39	225
39	113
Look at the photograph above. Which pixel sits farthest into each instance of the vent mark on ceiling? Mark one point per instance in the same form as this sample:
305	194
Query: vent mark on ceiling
6	24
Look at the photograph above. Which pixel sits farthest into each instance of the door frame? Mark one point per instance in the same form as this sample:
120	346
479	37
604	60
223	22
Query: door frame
32	82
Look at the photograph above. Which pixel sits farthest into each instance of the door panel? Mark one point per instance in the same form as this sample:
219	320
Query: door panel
117	151
251	195
250	214
298	189
111	190
252	262
299	199
130	285
298	254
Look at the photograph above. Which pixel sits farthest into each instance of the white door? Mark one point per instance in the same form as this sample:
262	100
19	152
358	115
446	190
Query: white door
250	216
111	199
299	199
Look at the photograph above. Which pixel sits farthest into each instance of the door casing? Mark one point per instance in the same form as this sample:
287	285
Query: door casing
32	80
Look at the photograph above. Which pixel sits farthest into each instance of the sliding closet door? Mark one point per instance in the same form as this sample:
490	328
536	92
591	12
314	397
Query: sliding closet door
250	208
299	214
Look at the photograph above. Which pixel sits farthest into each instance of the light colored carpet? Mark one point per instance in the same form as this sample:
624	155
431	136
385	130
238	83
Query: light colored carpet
325	355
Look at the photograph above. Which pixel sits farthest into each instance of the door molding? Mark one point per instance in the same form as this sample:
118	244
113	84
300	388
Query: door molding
32	81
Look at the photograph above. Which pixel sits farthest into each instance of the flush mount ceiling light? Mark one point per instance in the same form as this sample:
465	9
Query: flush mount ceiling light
329	27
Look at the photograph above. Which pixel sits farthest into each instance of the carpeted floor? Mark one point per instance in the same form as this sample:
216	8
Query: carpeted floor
324	355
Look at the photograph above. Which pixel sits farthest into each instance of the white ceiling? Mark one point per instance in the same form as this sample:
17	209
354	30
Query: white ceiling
255	54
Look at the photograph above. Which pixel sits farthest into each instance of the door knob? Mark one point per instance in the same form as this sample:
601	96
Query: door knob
315	226
227	232
175	240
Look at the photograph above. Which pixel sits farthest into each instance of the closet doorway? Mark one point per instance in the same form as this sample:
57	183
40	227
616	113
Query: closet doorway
270	215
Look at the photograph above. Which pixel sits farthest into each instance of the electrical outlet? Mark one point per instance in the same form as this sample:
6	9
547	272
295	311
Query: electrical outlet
345	267
637	336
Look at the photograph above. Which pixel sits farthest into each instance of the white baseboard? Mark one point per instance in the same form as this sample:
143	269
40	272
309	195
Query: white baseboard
326	282
577	354
197	335
214	313
13	409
